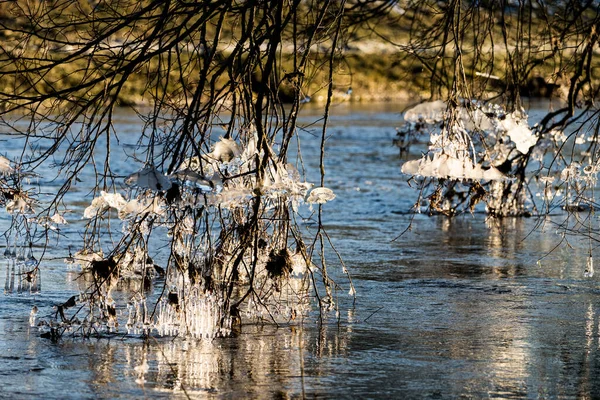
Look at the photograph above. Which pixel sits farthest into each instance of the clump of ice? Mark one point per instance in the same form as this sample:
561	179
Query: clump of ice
58	219
225	150
192	313
570	173
446	166
103	202
428	112
477	139
517	129
222	183
21	204
228	175
148	178
473	118
126	209
320	195
5	167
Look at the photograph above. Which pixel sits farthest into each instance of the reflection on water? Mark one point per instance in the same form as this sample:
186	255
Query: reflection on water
455	307
263	362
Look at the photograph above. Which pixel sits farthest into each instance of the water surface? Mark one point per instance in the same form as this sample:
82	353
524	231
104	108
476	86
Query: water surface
451	308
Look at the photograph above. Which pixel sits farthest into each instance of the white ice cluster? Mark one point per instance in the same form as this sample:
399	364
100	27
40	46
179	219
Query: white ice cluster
21	204
320	195
427	112
446	166
437	111
226	176
225	179
477	131
5	166
17	200
576	173
235	166
126	208
516	127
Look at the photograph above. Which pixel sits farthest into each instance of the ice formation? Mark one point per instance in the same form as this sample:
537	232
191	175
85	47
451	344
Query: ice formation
320	195
20	204
446	166
104	202
475	150
125	208
481	144
5	167
211	191
428	112
58	219
22	272
454	149
148	178
589	268
517	129
437	111
225	150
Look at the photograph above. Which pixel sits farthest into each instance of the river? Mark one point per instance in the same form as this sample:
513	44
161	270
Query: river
467	307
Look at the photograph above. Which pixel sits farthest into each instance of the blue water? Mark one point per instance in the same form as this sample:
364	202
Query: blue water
451	308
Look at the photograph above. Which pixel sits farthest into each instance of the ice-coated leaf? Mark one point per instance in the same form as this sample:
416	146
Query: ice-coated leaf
5	167
148	178
58	219
519	132
113	200
411	167
320	195
225	150
104	201
193	178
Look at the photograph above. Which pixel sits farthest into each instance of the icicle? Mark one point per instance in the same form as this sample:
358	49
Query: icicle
38	281
31	261
12	277
26	281
19	278
32	316
589	269
7	282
